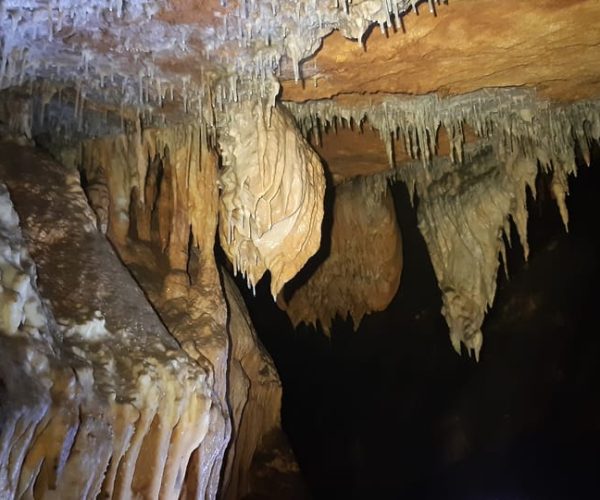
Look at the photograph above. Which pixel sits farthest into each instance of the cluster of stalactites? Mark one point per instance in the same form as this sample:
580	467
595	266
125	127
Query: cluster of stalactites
362	272
512	119
272	189
263	32
238	57
466	201
72	113
509	121
34	49
35	39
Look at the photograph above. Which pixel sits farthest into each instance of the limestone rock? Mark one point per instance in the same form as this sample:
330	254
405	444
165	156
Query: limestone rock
272	189
463	224
177	271
16	115
98	399
362	272
100	396
255	401
167	180
466	46
466	196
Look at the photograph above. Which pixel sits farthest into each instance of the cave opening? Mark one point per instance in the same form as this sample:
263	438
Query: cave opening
390	410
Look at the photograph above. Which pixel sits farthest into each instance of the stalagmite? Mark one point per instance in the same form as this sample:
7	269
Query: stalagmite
362	272
272	191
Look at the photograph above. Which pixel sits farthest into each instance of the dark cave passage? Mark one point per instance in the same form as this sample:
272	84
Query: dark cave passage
390	411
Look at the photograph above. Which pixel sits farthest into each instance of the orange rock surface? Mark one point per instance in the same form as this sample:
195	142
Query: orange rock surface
552	45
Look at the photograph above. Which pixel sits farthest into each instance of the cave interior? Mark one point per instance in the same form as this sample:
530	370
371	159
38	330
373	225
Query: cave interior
299	249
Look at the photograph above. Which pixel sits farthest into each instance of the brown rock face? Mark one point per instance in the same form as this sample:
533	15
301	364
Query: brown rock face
549	44
362	272
97	399
175	266
259	462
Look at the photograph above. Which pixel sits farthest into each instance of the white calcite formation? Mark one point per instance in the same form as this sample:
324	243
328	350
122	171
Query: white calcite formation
361	273
272	189
122	51
97	398
22	310
466	201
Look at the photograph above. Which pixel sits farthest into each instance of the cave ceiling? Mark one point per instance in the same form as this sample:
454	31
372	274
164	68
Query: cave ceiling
146	53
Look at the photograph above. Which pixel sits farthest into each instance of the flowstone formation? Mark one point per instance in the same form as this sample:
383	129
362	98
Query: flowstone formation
164	183
97	398
272	190
362	272
466	200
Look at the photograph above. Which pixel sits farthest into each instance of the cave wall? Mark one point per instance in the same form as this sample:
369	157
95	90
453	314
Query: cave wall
186	412
97	396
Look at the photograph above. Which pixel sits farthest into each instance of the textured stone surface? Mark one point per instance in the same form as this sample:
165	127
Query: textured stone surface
549	44
148	415
361	273
271	204
495	139
167	241
97	397
260	463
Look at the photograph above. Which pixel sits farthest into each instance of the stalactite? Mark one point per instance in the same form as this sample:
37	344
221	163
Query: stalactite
462	222
110	184
147	207
466	200
362	272
113	169
272	194
512	119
